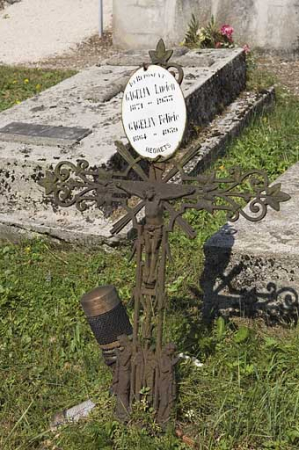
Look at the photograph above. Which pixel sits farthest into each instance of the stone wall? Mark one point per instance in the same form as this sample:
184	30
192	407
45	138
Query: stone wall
4	3
141	23
266	24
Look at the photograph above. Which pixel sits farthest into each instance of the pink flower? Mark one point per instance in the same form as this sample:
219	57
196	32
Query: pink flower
218	44
246	49
227	30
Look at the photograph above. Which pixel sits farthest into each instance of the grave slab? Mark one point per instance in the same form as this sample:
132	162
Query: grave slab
28	133
252	269
92	100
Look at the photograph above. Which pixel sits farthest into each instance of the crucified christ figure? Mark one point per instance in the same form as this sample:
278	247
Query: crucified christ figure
153	197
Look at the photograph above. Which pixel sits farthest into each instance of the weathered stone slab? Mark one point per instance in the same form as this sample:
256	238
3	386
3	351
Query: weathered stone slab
94	228
182	56
92	100
252	269
36	134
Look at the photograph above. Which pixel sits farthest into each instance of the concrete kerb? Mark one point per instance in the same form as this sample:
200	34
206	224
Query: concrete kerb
252	269
214	139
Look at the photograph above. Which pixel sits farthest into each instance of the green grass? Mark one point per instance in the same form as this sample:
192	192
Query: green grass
18	84
245	397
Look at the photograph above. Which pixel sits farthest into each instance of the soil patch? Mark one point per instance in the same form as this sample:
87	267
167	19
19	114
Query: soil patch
88	53
286	71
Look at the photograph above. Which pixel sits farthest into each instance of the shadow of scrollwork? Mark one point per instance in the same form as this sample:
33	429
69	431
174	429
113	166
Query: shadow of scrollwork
248	287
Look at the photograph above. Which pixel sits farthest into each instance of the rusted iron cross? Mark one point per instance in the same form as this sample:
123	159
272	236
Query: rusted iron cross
149	359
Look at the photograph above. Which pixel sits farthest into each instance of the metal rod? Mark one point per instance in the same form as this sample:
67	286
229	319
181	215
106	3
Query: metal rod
137	294
161	309
101	18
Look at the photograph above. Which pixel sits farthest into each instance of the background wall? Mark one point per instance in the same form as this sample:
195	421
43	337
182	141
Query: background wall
141	23
267	24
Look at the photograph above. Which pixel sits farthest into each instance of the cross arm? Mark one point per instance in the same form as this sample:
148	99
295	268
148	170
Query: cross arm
82	186
231	194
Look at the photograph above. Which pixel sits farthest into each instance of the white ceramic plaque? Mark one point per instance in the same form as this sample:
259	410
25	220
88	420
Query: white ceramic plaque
154	112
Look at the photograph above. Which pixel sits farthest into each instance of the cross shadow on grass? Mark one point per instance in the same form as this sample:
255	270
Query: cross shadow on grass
244	289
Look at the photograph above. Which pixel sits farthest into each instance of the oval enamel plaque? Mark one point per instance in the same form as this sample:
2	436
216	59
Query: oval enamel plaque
154	112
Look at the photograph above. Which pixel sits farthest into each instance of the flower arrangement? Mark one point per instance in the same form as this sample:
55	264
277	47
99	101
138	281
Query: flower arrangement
210	36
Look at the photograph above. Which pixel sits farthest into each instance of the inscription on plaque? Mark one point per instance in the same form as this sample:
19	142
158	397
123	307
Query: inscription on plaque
154	112
29	133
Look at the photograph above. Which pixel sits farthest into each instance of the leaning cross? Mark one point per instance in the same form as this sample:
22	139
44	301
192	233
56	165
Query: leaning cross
164	203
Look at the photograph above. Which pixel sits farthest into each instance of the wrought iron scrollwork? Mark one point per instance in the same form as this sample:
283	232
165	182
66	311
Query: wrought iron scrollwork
212	193
164	203
161	57
84	187
81	185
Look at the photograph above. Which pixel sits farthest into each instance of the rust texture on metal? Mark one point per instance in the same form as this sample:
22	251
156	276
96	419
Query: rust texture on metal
100	300
145	366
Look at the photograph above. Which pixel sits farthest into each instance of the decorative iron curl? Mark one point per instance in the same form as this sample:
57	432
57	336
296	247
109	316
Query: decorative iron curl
256	206
209	190
63	171
178	74
80	185
258	182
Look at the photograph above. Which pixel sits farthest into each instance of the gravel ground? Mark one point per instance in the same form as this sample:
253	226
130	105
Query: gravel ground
34	30
88	53
63	34
286	71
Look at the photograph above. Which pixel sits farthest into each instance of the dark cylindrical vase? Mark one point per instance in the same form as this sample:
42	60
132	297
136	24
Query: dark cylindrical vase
107	318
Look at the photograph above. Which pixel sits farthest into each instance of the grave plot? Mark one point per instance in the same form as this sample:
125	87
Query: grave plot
91	102
253	268
146	363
